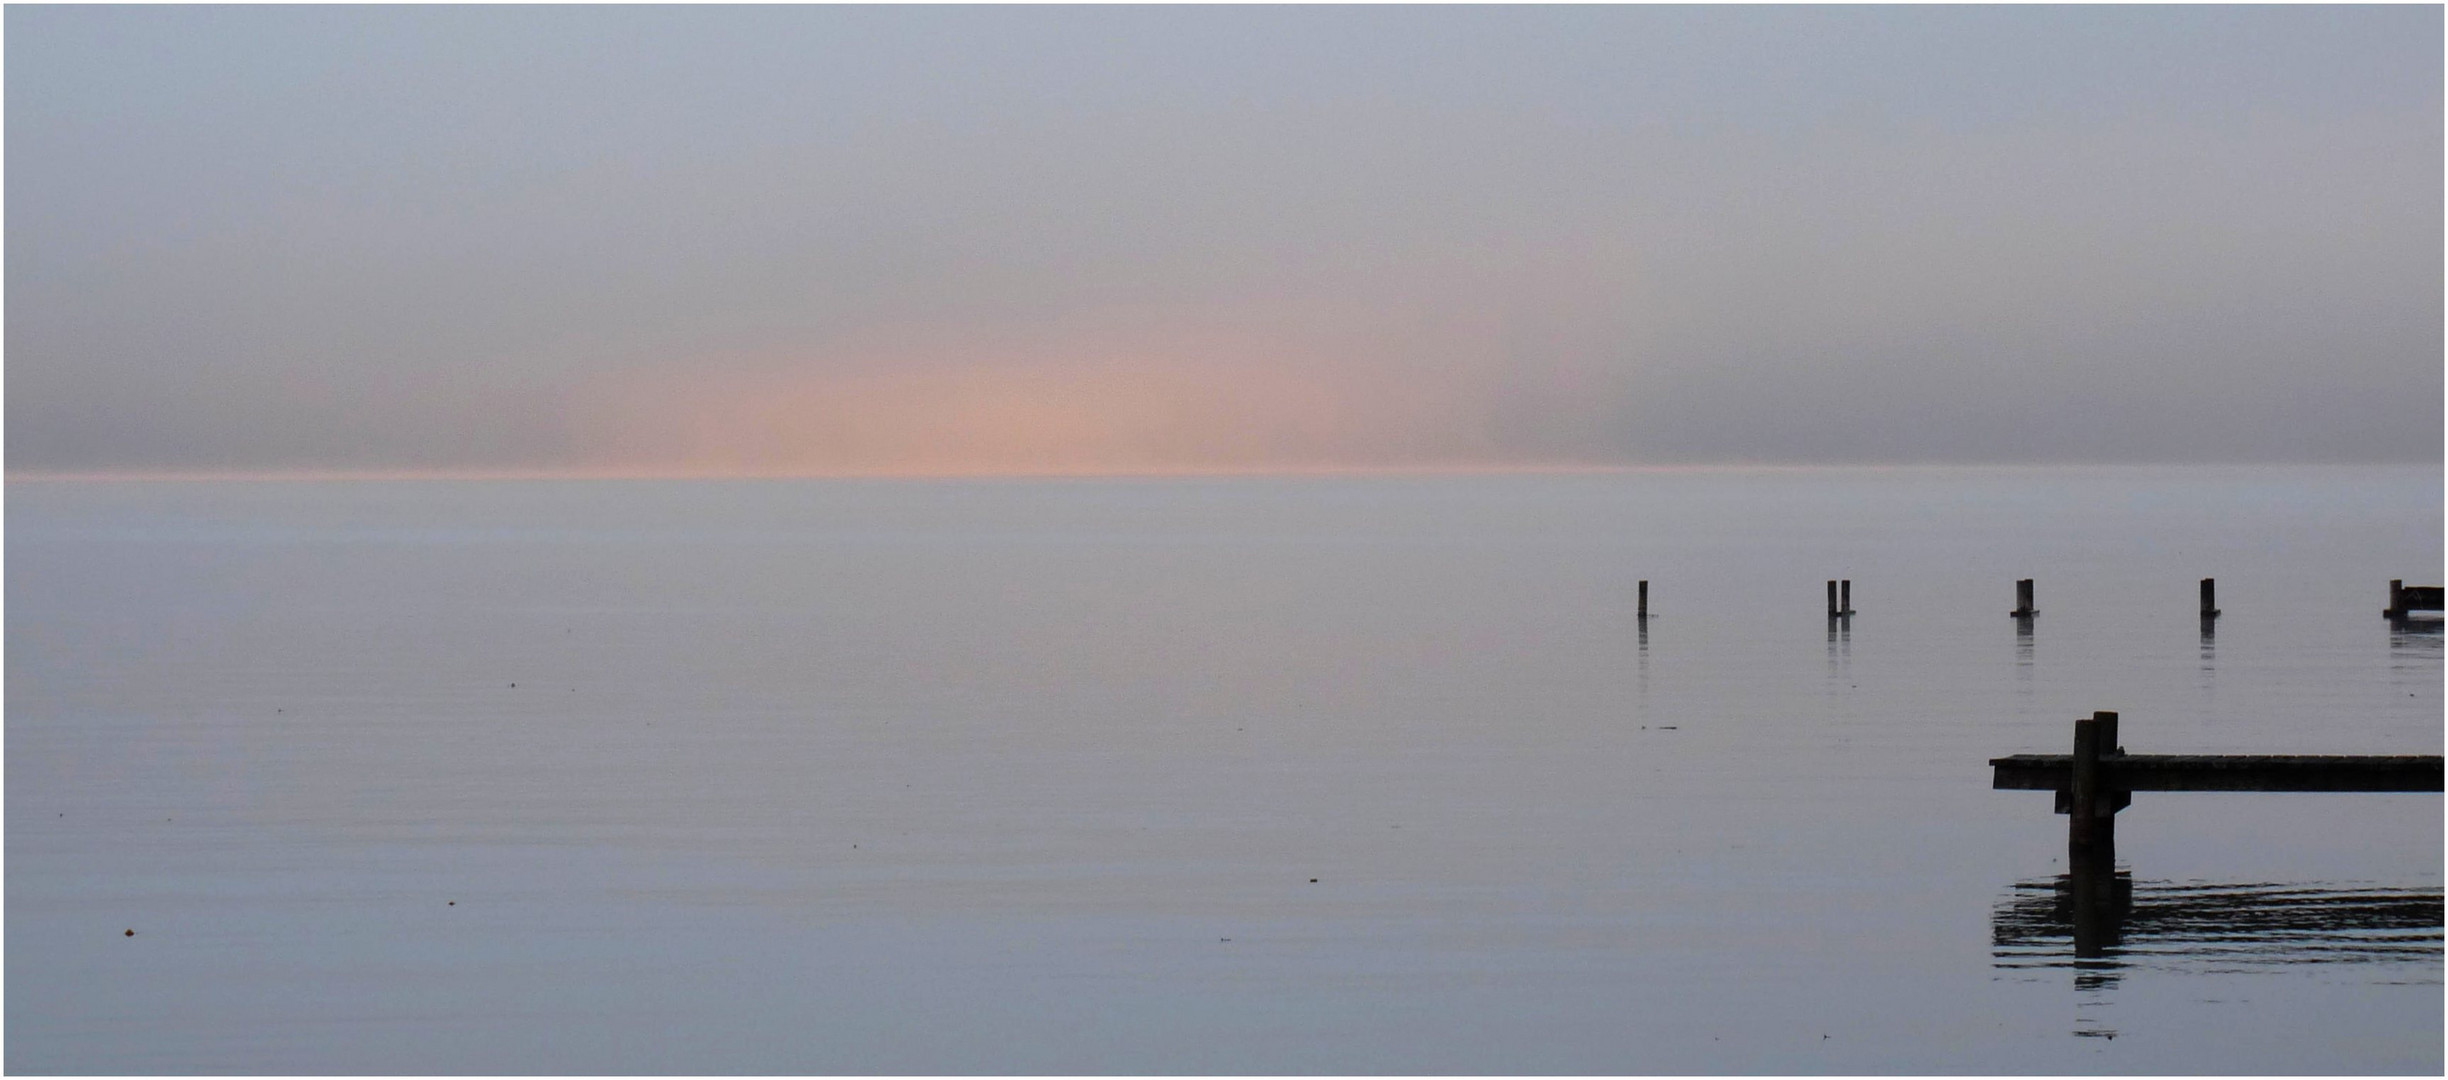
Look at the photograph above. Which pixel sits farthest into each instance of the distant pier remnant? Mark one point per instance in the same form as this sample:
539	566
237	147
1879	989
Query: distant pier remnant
2023	600
1840	598
2209	607
2405	600
1644	598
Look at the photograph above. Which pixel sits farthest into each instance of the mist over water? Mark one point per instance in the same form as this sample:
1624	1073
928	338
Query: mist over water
1314	774
768	239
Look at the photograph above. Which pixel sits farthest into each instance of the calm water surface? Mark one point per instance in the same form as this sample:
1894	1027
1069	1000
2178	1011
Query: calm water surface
1218	775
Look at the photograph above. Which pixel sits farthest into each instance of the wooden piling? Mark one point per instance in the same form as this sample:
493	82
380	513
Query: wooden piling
2396	608
2090	821
2209	598
1845	606
1644	599
2023	600
1832	609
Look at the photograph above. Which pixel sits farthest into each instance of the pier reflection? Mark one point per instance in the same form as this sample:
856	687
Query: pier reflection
2099	923
2416	639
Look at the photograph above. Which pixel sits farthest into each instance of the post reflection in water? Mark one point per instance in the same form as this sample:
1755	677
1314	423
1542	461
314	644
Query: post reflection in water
1840	645
2209	648
2097	921
2023	647
1644	658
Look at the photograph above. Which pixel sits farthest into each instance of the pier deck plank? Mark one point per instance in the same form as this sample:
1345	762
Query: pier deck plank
2225	772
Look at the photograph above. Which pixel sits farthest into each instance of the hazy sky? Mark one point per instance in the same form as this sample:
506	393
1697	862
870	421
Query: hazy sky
1026	239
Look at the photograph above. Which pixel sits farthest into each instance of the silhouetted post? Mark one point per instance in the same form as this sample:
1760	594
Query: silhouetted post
1845	607
2209	608
1644	599
2396	608
1832	609
2091	821
2023	600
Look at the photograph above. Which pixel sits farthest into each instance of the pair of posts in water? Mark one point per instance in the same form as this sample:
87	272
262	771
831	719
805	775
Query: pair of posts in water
1839	596
2024	608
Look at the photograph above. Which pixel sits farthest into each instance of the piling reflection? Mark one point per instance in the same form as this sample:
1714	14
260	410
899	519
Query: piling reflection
1643	655
2209	649
2099	923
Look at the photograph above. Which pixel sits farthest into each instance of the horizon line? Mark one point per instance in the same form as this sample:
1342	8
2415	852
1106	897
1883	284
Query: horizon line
311	475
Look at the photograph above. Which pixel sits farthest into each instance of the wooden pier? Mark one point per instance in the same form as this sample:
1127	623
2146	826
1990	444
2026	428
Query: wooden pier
2099	777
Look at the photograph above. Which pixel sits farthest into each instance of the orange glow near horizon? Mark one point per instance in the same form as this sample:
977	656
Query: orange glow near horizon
155	476
1289	388
1083	404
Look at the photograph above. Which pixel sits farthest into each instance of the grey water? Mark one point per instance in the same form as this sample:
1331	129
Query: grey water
1335	774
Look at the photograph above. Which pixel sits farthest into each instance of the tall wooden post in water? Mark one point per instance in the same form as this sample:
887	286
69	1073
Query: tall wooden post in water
2023	600
1644	599
1845	606
2090	809
2209	599
1832	609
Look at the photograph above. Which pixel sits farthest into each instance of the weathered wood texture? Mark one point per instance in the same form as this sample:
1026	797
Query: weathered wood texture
2224	772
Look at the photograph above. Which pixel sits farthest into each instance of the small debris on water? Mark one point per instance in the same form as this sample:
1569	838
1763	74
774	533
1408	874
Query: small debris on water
131	933
1668	727
451	903
1312	881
